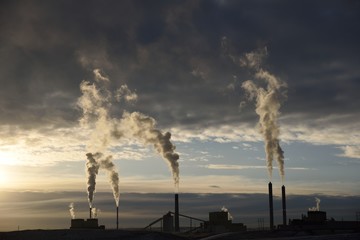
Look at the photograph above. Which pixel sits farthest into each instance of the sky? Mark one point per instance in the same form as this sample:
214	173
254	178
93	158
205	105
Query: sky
238	84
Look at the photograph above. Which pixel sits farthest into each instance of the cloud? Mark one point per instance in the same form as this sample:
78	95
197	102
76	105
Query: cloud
350	151
99	76
173	54
132	153
334	129
244	167
194	66
232	167
47	146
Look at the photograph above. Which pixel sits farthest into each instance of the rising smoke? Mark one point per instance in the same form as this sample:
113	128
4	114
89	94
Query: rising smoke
317	208
92	169
96	101
268	102
224	209
96	161
113	177
95	212
72	210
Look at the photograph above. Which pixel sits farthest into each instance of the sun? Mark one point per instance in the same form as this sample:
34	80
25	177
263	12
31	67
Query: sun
9	157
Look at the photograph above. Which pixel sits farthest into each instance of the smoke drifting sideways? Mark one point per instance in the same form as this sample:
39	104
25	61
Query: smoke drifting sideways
268	102
317	208
139	126
96	102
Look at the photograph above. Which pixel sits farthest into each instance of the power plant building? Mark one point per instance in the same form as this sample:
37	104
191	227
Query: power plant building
86	224
221	222
168	222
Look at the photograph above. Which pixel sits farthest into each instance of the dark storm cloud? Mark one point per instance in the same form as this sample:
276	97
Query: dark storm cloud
170	52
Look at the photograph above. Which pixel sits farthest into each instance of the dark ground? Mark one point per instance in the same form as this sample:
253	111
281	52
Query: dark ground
149	235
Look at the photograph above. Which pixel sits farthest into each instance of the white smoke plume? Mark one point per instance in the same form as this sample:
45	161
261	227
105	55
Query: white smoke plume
224	209
92	169
142	127
96	102
113	177
95	212
317	208
96	161
72	210
268	102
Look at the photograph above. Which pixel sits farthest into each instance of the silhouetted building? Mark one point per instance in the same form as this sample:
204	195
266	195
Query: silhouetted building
316	220
221	222
168	222
316	216
86	224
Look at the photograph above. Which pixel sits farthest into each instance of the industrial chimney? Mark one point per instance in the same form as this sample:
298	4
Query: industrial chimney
283	204
177	225
117	217
90	212
271	207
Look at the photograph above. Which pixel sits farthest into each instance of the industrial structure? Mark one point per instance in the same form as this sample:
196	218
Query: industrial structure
283	201
271	206
220	222
91	223
167	223
177	220
117	217
317	220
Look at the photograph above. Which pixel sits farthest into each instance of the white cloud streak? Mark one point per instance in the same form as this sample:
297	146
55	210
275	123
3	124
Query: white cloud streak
243	167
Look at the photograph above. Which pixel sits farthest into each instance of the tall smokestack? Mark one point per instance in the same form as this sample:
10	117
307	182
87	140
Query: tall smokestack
177	226
90	212
283	204
271	206
117	217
